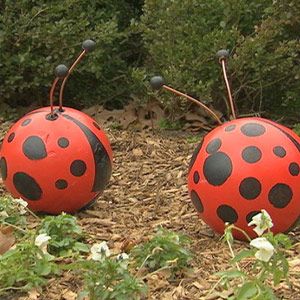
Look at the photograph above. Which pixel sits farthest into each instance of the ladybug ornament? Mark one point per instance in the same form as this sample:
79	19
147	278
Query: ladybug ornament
56	158
243	166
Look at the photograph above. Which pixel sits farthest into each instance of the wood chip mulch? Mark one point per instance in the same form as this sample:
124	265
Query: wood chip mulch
148	189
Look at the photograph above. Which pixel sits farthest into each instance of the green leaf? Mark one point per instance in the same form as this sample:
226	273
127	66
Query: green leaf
247	291
81	247
243	254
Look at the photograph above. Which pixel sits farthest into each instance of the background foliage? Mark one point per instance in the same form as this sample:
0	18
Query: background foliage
137	39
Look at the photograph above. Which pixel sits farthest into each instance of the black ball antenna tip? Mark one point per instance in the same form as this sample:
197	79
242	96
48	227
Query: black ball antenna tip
88	45
61	71
221	54
156	82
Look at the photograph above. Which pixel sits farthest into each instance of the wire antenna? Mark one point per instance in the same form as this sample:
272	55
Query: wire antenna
223	55
87	46
157	82
61	71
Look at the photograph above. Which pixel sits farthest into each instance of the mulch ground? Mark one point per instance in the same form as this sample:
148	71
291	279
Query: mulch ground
148	189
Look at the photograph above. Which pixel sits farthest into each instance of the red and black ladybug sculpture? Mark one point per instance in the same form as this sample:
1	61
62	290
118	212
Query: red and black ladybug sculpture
243	166
56	158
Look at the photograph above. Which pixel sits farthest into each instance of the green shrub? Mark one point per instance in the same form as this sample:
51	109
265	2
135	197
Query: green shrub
35	36
182	38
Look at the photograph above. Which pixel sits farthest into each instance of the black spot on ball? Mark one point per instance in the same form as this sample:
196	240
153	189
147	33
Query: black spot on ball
34	148
251	154
286	133
280	195
196	177
213	146
11	137
3	168
195	154
61	184
227	214
251	215
26	122
279	151
27	186
196	201
96	125
63	142
294	169
217	168
103	166
253	129
250	188
230	128
78	168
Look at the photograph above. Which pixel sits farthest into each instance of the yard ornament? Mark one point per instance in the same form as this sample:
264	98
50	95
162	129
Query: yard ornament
243	166
56	158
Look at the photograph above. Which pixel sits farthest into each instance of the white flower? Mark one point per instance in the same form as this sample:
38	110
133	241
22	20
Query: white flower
262	221
22	205
265	248
42	241
100	251
123	258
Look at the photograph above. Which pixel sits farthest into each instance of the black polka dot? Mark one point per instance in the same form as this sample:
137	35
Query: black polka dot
78	167
213	146
251	215
3	168
250	188
227	214
253	129
196	201
280	195
195	154
279	151
217	168
26	122
251	154
96	125
196	177
61	184
63	142
27	186
11	137
34	148
230	128
294	169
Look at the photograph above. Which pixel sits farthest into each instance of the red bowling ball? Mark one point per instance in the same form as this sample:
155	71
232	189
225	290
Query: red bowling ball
241	167
56	158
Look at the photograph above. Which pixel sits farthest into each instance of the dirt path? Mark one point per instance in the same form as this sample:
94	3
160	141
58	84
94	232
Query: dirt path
148	188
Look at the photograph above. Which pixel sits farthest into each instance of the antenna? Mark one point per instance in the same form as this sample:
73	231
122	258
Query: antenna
223	55
87	46
61	71
157	82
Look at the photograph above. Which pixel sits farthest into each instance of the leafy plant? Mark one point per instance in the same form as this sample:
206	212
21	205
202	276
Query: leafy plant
166	250
170	125
182	38
25	267
297	128
107	279
65	233
37	36
267	254
12	211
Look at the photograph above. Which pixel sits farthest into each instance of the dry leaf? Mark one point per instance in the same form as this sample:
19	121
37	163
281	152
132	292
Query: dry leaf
137	152
7	239
69	295
33	295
